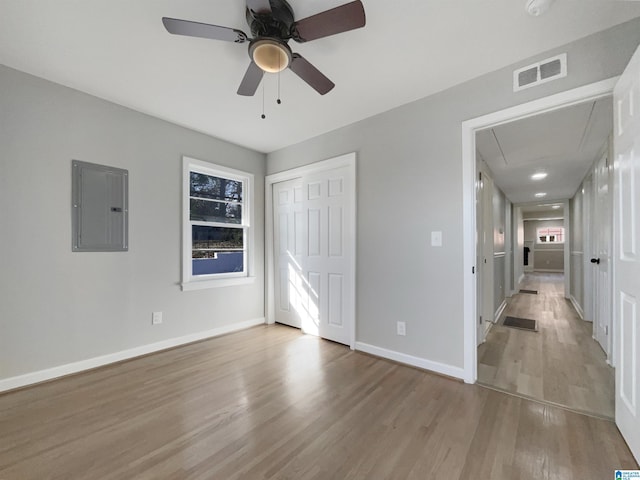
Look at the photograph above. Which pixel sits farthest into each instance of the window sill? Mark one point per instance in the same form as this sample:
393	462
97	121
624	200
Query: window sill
218	282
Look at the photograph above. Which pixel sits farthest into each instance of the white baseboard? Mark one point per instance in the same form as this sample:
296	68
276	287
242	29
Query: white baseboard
437	367
549	270
82	365
577	306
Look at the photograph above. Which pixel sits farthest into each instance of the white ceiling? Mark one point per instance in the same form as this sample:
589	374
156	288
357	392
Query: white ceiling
563	143
119	50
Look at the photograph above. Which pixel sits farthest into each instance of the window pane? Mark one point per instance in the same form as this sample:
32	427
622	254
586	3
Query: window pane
215	188
216	238
217	250
212	211
222	262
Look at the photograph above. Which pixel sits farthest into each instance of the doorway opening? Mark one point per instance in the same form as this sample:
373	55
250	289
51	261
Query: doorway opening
553	156
549	282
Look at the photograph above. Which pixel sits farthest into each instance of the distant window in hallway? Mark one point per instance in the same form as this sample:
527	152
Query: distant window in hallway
550	235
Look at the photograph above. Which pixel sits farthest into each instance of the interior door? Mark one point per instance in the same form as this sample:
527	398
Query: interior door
485	249
601	261
288	243
627	255
314	250
328	266
479	255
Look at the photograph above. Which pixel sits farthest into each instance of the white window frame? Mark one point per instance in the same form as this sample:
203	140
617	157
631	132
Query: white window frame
198	282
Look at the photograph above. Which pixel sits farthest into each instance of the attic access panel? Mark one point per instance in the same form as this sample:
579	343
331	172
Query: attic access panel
99	208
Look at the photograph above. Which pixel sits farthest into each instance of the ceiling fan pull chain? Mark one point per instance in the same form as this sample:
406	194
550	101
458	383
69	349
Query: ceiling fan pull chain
278	101
263	116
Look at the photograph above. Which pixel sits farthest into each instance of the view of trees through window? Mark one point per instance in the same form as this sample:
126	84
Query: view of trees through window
217	230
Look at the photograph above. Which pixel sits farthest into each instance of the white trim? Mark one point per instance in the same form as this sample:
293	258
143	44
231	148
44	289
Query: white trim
441	368
469	127
218	282
346	160
577	306
90	363
550	270
200	282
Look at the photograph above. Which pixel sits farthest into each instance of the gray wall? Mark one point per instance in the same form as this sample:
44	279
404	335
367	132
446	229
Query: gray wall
58	307
546	256
416	150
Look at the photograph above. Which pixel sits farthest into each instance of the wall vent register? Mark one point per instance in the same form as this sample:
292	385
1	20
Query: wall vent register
541	72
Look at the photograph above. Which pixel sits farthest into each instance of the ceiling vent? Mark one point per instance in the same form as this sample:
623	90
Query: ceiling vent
541	72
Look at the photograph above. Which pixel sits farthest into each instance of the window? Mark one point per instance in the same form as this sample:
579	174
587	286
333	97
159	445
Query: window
550	235
217	235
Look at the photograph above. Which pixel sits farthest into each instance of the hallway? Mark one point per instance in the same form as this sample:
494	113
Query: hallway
560	364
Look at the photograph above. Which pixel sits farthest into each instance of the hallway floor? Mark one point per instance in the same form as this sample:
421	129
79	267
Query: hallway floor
560	364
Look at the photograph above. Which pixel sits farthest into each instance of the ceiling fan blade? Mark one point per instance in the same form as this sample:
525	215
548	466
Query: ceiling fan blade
262	7
337	20
310	74
203	30
251	80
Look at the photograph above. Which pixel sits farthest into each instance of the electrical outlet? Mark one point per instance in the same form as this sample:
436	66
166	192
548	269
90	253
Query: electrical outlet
401	328
156	318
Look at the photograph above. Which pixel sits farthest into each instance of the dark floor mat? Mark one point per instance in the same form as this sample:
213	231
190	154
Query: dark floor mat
522	323
532	292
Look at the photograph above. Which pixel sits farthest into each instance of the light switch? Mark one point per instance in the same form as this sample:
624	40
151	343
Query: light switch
436	239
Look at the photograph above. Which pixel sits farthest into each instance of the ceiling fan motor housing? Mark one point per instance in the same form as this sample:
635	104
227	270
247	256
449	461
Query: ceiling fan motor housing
277	24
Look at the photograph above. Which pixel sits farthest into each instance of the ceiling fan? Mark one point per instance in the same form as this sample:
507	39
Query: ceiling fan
272	25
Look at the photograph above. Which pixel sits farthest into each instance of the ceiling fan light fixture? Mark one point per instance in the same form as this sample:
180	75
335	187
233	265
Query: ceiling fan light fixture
272	56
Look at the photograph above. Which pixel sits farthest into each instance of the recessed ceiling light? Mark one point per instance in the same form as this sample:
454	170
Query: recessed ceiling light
555	207
540	194
539	176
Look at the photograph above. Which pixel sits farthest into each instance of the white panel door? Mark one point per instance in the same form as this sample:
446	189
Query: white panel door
601	261
289	238
314	251
328	265
627	257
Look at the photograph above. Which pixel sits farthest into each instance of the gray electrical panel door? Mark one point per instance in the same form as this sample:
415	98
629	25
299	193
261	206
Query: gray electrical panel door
100	210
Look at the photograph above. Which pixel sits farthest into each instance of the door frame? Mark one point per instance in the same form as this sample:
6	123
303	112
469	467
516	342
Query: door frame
550	103
346	160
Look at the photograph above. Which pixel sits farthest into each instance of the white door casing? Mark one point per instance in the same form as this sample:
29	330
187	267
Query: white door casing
311	258
626	265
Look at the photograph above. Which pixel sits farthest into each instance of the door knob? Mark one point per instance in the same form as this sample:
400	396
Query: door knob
595	260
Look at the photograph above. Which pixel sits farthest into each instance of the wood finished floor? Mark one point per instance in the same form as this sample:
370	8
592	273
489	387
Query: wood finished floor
561	363
270	403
